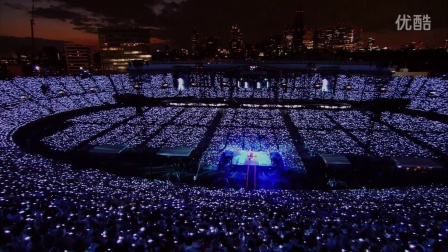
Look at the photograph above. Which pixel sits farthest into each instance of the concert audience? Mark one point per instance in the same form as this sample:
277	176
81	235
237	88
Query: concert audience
48	206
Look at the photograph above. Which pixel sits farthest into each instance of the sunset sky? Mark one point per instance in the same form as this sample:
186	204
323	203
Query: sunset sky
75	21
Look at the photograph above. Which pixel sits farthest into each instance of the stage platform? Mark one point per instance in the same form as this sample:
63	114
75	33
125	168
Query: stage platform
256	158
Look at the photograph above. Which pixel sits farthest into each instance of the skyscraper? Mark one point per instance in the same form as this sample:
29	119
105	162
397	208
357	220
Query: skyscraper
78	58
357	36
446	44
370	43
298	32
195	43
119	46
288	45
211	47
236	42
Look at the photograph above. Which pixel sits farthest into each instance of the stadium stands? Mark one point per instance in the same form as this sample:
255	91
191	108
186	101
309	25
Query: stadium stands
46	205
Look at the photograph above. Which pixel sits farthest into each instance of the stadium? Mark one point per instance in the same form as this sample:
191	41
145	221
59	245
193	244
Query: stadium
231	157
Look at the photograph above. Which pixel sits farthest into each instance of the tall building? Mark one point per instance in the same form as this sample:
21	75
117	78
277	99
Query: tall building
357	36
211	47
308	38
446	44
119	46
79	58
298	31
236	42
195	43
288	46
53	61
320	39
370	43
336	38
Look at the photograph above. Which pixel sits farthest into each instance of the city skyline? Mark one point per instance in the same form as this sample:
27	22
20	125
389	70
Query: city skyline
172	22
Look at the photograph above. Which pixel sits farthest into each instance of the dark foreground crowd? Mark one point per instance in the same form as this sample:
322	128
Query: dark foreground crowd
50	207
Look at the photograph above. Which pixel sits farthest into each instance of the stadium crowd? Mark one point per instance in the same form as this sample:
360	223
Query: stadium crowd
256	130
48	206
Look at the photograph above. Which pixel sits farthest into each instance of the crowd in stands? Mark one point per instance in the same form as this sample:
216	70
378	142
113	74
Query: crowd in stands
175	127
47	206
256	130
355	132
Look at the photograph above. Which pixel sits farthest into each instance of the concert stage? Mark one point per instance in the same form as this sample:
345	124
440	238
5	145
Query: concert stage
253	169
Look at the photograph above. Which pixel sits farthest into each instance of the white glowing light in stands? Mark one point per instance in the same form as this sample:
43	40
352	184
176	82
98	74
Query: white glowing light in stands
180	83
325	85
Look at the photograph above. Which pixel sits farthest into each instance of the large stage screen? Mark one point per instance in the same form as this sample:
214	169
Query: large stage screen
258	158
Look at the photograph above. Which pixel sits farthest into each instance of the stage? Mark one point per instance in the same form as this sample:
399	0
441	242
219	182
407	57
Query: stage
255	158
